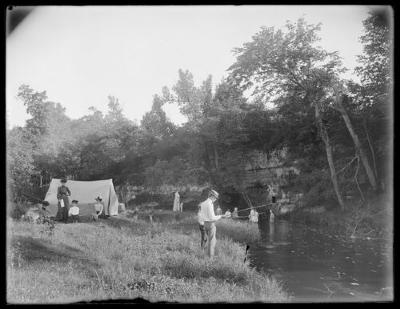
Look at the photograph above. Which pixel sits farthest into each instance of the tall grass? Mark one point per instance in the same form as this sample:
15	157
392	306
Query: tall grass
236	230
120	258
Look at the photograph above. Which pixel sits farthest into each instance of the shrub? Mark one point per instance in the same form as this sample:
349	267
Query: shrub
18	209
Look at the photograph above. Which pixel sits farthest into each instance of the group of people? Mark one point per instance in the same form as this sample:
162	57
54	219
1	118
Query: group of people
71	214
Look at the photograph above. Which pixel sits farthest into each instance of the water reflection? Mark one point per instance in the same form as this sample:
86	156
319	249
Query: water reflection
318	267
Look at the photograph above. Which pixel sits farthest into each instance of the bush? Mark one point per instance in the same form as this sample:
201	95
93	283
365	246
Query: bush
18	209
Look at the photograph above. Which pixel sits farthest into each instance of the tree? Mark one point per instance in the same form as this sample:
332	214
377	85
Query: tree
20	164
339	106
373	99
279	66
376	60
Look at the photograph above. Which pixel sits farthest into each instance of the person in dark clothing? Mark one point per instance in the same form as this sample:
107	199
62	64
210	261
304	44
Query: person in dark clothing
63	193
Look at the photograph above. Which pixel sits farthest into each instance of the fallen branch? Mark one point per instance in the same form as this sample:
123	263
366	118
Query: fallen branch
347	165
355	178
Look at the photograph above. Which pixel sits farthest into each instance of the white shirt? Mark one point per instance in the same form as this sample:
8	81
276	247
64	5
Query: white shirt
98	207
73	211
253	217
206	212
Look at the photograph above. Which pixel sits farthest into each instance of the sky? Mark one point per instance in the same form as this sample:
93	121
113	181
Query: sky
81	55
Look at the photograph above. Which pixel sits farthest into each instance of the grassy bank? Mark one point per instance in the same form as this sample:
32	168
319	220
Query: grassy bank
122	258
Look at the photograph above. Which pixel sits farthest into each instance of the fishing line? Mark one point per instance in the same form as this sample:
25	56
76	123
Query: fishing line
254	207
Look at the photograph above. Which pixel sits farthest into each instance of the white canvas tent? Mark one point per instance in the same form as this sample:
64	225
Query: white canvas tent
85	193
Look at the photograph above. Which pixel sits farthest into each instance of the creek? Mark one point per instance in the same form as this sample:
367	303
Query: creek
316	267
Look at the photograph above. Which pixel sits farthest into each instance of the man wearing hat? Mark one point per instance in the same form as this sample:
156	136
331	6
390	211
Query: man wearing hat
63	193
209	218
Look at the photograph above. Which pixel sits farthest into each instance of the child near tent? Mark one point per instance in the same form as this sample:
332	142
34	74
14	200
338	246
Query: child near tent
63	193
73	212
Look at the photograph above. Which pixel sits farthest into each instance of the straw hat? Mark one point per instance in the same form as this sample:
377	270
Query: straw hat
214	193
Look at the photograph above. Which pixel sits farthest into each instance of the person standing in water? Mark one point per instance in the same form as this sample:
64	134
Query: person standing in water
253	216
272	193
63	194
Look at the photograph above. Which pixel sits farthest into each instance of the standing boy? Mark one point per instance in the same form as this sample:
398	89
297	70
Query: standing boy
73	212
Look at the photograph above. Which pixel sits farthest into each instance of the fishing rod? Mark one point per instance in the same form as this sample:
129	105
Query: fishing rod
265	205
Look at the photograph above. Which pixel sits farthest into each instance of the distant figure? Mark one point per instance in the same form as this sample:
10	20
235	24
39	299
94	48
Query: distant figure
218	211
73	212
98	207
63	193
181	207
253	216
271	216
272	193
235	213
176	206
135	213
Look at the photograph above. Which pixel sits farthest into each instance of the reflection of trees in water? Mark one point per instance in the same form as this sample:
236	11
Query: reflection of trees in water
272	233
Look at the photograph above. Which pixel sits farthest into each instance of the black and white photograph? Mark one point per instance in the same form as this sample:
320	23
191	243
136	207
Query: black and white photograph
199	154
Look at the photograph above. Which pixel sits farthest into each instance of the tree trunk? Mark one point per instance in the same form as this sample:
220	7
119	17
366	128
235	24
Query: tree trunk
357	143
329	155
216	157
371	148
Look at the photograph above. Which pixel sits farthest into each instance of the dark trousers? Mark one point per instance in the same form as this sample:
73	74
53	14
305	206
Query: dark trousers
203	235
64	213
74	218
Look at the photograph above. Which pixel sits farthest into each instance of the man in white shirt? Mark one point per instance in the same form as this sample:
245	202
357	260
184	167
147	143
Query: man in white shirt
207	215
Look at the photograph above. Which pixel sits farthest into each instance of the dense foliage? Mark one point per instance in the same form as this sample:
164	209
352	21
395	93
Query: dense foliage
333	131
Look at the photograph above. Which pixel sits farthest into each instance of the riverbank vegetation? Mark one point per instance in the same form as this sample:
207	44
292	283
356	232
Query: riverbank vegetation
284	100
122	258
373	220
336	133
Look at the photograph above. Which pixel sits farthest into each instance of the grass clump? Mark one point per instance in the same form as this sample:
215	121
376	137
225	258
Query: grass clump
122	258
